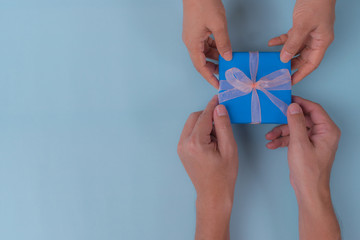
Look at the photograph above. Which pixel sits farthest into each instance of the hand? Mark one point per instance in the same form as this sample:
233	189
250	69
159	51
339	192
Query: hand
311	35
209	154
201	19
312	139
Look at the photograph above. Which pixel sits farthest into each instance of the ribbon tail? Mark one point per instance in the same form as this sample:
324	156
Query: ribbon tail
255	108
230	94
276	101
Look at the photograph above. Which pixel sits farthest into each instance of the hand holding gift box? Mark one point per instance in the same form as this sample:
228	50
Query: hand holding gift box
255	88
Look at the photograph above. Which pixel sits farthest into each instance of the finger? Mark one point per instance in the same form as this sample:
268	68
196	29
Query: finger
206	69
309	60
212	53
280	142
217	70
223	43
214	68
280	133
225	136
276	41
297	125
211	42
189	125
296	39
204	124
316	112
302	72
296	63
324	129
282	130
210	49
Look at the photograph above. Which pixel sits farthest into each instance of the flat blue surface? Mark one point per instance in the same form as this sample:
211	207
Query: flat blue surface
240	108
94	94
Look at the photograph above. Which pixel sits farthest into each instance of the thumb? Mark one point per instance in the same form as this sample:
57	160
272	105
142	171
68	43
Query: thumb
224	134
297	125
223	44
296	39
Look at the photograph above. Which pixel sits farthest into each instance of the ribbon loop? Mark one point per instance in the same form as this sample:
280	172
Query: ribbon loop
237	84
253	64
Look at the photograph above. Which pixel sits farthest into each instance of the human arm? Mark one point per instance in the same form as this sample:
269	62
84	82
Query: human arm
312	140
208	151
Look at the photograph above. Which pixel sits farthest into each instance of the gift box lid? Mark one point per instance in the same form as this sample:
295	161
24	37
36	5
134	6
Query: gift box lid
240	108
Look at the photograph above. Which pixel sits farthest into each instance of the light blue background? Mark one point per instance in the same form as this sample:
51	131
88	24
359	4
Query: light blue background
94	94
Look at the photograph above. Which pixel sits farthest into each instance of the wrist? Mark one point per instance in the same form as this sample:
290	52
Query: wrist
212	217
215	204
317	219
313	197
327	1
202	1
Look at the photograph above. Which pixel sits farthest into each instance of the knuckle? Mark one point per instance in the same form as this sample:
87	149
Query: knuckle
192	146
317	106
180	148
193	115
185	39
294	41
300	28
291	47
336	132
330	38
283	143
315	66
230	152
198	67
190	43
283	37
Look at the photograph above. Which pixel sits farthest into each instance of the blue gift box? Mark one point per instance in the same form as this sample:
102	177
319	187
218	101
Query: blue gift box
261	96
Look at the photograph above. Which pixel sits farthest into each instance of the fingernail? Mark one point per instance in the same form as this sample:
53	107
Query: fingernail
228	56
285	56
221	110
294	108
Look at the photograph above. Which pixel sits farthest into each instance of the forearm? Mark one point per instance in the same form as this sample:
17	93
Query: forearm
317	219
213	219
331	2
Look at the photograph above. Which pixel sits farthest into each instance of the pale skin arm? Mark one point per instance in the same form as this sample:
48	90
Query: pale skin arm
312	139
208	151
317	219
